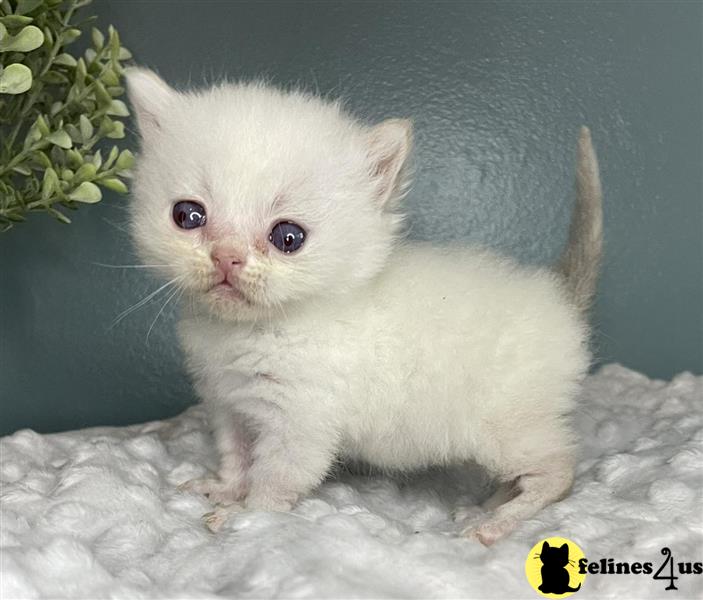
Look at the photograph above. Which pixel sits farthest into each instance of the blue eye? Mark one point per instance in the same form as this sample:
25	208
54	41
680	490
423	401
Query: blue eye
188	214
287	236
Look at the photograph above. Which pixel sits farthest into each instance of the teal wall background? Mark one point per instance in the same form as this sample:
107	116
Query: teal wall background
497	91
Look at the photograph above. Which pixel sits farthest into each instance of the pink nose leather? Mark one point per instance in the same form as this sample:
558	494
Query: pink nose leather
227	261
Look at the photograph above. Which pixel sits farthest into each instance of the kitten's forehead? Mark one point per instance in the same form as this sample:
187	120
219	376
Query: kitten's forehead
256	146
262	123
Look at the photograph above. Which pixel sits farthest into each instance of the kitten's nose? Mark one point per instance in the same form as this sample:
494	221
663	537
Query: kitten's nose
227	261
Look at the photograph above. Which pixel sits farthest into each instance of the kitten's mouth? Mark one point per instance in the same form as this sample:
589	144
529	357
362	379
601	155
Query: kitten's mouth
225	289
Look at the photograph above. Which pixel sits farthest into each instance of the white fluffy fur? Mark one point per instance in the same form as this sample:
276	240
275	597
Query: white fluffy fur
358	346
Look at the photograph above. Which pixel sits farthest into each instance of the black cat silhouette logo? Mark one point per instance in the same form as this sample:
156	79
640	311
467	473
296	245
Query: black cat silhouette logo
552	567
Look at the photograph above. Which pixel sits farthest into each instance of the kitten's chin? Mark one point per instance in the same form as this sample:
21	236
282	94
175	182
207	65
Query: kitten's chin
225	292
231	304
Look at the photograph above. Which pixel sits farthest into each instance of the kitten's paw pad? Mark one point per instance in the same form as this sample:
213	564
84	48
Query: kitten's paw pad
217	518
489	532
214	489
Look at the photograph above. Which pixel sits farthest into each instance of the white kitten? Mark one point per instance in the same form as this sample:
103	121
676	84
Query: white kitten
312	333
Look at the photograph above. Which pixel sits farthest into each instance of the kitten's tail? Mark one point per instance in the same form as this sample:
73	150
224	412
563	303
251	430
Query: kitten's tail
580	261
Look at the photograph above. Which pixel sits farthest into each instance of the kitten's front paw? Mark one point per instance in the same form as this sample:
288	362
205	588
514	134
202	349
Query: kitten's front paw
215	489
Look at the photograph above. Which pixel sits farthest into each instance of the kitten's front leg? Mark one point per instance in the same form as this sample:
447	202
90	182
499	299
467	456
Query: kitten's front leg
232	442
288	461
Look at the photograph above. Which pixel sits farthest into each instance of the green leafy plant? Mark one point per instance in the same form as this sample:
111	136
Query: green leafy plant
58	111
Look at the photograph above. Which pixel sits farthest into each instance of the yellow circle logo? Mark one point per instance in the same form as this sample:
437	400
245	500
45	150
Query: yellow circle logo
552	567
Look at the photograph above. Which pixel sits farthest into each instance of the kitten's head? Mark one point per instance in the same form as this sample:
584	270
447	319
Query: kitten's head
256	198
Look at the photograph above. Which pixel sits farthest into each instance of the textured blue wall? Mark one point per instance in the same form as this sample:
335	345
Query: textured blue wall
496	90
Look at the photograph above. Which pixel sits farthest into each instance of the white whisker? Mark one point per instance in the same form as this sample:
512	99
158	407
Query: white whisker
143	301
116	226
178	290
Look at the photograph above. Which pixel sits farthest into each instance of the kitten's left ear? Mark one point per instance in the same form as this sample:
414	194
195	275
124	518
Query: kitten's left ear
390	143
150	96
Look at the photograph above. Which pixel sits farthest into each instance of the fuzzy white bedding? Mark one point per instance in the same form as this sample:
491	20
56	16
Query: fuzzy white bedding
96	513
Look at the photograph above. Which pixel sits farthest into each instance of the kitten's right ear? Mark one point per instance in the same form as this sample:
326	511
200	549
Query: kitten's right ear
150	96
389	144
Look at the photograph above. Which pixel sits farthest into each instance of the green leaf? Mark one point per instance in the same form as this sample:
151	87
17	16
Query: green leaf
33	136
57	155
98	38
110	78
22	170
42	126
80	71
75	158
125	54
106	126
70	35
114	153
114	44
41	159
29	38
15	79
73	93
114	184
86	172
104	99
60	138
98	159
27	6
86	128
50	184
86	192
118	109
15	20
117	132
125	160
74	133
65	60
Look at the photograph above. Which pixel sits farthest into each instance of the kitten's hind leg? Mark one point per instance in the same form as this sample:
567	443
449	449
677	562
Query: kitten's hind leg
536	488
232	442
475	513
506	491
